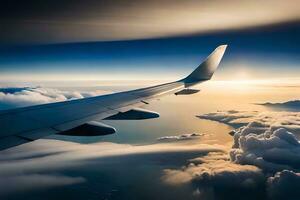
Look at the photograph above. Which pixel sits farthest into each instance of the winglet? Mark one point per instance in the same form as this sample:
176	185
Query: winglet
206	69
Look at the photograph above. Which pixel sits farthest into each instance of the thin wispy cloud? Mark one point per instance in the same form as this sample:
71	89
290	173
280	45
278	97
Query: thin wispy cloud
182	137
25	164
263	120
27	96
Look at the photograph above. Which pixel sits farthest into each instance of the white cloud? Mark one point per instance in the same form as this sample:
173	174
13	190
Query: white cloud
231	117
19	97
273	120
215	173
39	159
270	150
182	137
265	153
215	168
266	141
293	105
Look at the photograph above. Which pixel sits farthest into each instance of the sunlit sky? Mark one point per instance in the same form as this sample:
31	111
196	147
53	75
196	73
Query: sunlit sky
51	21
35	47
54	51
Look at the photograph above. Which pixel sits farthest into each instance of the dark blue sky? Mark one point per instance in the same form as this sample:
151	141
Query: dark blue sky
272	50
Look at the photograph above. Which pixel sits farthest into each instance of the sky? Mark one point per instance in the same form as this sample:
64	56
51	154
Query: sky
52	41
74	21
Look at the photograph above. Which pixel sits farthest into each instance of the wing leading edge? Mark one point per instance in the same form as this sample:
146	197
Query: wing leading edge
22	125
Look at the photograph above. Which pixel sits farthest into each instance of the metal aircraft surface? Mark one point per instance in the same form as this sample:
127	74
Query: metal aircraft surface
82	117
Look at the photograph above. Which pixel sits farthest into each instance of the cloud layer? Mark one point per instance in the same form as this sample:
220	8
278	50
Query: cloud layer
39	162
264	154
288	105
268	139
271	150
182	137
214	169
265	120
20	97
263	161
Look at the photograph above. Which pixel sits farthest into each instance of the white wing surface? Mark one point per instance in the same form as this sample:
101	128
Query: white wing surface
82	117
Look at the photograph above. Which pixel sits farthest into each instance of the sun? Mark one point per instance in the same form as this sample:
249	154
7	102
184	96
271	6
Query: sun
242	75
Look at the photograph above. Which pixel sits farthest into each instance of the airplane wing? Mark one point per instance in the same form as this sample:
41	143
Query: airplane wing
82	117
